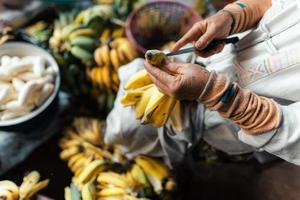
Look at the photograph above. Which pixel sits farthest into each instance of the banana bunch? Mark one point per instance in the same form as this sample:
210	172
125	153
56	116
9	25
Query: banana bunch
30	186
115	51
102	171
6	34
76	38
157	174
40	32
151	106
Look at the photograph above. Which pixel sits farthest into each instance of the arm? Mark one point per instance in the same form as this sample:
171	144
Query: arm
246	13
234	18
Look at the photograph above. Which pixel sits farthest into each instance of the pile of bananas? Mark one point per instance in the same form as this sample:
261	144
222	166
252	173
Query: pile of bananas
28	189
6	34
102	172
40	32
151	106
115	51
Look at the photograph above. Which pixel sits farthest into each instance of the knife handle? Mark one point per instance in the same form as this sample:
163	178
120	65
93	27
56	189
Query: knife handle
215	42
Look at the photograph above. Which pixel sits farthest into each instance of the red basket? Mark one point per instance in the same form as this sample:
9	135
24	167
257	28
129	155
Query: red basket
158	22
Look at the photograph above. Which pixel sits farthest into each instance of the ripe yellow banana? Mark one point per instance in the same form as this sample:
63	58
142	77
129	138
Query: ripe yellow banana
6	195
82	32
31	185
80	17
139	79
176	117
139	175
114	179
160	115
153	167
69	152
74	159
68	193
88	192
105	36
131	98
143	102
11	187
156	98
115	59
112	192
90	171
155	57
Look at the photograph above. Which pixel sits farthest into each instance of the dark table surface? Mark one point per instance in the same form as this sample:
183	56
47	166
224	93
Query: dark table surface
276	181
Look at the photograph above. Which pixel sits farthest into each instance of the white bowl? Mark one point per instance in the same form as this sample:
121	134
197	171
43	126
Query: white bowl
22	49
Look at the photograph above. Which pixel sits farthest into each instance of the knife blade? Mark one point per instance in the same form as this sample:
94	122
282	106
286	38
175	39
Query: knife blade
231	40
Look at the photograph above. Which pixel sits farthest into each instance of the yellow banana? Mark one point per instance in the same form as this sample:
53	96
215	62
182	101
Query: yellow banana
112	192
153	166
80	17
69	143
97	56
11	187
118	32
176	118
139	79
105	55
74	159
78	163
68	193
90	171
6	195
105	36
143	102
82	32
115	59
155	57
28	182
128	50
139	175
88	192
69	152
161	114
111	178
37	187
156	98
131	98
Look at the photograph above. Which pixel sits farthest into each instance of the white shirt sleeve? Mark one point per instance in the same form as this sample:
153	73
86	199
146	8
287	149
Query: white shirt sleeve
284	141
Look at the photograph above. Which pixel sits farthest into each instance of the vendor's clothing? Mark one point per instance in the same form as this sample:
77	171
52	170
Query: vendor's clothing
266	61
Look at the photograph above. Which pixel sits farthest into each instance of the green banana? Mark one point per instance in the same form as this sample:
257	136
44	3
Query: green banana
67	30
84	42
81	53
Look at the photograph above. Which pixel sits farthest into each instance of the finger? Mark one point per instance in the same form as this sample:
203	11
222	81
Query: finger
159	74
210	52
190	36
206	38
171	67
161	86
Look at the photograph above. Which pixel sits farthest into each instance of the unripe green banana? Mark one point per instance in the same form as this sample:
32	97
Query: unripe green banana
81	53
84	42
67	30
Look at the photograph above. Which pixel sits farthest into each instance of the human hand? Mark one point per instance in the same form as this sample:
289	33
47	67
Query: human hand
203	32
183	81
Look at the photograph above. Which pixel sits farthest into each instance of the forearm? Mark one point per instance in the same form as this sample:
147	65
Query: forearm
247	13
253	113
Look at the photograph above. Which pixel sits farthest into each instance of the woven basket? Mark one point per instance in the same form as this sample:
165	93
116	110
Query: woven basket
158	22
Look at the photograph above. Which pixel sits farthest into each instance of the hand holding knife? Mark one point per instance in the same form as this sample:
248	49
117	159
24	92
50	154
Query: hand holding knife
231	40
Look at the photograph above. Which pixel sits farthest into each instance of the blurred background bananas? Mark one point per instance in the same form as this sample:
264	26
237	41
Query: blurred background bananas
115	51
30	186
102	172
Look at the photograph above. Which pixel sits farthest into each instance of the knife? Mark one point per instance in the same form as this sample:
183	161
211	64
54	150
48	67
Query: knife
231	40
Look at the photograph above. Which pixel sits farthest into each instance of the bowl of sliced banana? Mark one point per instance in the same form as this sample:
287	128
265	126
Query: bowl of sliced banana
29	82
